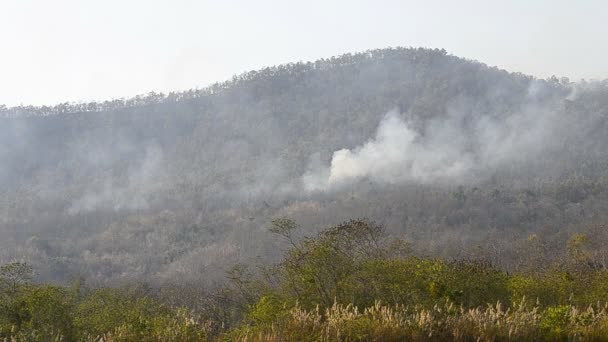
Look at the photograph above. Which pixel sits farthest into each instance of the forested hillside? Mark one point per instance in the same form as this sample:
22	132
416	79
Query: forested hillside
459	159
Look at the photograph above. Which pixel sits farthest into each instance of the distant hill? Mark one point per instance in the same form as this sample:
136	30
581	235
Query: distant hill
179	185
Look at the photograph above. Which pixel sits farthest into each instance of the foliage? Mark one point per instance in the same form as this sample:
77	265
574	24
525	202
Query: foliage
345	284
53	313
350	282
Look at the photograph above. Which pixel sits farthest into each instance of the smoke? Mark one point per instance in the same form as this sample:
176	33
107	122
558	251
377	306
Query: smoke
461	147
396	154
143	179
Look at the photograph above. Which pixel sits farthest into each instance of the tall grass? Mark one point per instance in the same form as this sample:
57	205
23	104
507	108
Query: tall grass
448	322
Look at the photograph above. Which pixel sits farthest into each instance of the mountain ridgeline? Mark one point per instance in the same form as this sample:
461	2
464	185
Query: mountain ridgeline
460	159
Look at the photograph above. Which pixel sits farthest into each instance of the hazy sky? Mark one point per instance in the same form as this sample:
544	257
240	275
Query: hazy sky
80	50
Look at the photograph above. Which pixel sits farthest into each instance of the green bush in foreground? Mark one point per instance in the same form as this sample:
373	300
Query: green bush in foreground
348	283
52	313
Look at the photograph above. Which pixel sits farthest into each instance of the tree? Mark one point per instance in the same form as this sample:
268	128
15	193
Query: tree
321	270
13	276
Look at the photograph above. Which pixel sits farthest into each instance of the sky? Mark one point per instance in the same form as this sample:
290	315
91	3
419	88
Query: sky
83	50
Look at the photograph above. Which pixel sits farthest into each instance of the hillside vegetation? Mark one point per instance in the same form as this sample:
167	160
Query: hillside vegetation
183	185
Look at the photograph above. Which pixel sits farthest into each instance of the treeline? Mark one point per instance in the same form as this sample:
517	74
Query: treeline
273	73
350	282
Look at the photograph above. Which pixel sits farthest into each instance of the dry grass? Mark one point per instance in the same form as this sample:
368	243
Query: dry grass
447	322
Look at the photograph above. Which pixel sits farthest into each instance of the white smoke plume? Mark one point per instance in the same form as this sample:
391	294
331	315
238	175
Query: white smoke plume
456	148
143	179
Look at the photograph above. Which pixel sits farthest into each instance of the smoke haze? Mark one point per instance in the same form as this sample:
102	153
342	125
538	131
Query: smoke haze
453	149
445	152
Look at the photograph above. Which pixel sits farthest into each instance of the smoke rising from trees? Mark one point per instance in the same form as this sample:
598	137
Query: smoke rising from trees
445	152
456	148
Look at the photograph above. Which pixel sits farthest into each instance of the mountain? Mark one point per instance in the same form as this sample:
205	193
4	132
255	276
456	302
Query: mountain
448	153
